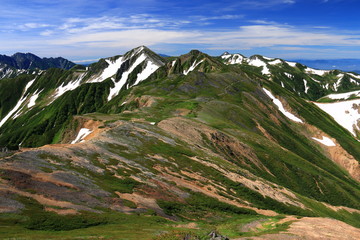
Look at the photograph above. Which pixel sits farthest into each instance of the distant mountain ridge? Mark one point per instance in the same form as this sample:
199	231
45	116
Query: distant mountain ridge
30	61
348	65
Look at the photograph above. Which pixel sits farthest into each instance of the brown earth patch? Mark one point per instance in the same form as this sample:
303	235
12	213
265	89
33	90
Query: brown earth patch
191	225
309	228
337	208
337	154
263	187
44	200
61	211
181	112
198	134
205	189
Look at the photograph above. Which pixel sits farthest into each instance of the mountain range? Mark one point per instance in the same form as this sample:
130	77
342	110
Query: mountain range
143	146
20	62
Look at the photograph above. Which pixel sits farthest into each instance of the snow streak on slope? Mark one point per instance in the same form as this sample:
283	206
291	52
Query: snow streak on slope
33	99
149	69
338	82
193	66
344	95
346	113
83	133
68	87
118	85
258	63
110	70
306	86
325	141
18	105
281	107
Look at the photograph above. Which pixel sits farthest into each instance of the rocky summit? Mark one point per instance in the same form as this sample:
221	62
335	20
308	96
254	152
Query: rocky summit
140	146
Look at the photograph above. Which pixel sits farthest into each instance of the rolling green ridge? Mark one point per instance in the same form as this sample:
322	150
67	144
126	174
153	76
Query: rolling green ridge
208	147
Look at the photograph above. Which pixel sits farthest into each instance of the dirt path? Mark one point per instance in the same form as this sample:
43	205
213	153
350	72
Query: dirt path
314	229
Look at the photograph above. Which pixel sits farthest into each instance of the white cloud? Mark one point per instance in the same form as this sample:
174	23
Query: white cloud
222	17
28	26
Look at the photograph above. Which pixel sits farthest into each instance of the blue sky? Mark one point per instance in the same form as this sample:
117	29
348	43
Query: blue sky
89	29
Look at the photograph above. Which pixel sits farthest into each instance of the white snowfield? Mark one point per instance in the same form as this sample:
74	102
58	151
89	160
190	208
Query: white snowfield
344	95
345	113
83	133
193	66
325	141
275	62
316	71
258	63
281	107
292	64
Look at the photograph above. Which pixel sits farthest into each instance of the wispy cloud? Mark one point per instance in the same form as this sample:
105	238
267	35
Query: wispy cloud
265	3
248	36
108	33
222	17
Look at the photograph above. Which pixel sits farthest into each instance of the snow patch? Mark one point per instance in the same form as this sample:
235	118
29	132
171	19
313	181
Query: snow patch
33	99
118	85
292	64
68	87
281	107
226	56
233	59
258	63
193	66
354	81
83	133
316	71
354	76
18	104
289	75
149	69
337	84
325	141
267	58
275	62
344	95
306	86
345	113
110	70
